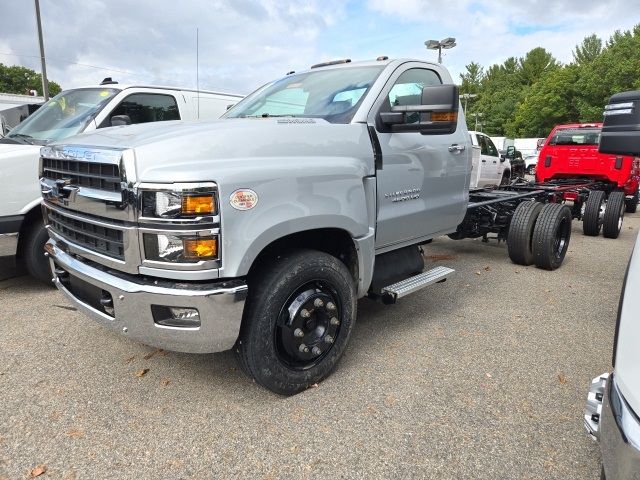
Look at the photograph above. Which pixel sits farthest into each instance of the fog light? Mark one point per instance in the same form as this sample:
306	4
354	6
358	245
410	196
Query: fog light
178	317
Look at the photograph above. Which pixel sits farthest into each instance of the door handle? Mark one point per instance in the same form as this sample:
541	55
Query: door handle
484	161
456	148
495	161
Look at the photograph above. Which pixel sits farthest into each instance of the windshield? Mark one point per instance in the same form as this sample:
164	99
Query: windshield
583	136
331	94
66	114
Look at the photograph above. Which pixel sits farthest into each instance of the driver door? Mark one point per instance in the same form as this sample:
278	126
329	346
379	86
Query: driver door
422	185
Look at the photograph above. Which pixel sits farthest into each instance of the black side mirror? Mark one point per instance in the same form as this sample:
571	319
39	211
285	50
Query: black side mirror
119	120
438	112
621	128
511	152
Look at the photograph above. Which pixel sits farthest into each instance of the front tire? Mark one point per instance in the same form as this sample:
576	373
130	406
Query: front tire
32	252
613	215
297	321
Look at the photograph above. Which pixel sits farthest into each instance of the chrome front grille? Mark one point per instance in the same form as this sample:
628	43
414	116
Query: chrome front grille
100	176
97	238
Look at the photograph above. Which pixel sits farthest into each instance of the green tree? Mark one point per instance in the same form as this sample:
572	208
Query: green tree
500	91
17	79
472	78
616	69
588	50
535	64
549	102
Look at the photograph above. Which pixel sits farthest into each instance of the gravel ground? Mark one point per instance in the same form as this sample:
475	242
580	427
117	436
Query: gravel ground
484	376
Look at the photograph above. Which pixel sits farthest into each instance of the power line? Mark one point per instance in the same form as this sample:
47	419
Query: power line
71	62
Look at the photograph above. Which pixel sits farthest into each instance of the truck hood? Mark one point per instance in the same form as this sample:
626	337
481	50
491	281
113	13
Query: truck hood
10	150
180	151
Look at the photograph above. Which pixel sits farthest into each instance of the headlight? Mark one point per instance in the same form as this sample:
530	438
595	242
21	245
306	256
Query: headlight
178	204
180	248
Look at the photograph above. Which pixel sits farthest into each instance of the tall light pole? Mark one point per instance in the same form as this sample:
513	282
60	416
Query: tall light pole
45	82
465	97
477	115
439	45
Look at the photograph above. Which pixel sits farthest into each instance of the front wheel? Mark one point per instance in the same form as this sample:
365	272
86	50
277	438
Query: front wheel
32	252
297	321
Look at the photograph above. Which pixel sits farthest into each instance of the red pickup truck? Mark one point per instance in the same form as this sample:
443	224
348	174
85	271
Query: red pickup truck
571	152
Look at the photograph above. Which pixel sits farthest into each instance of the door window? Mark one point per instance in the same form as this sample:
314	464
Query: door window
491	148
484	150
408	89
146	107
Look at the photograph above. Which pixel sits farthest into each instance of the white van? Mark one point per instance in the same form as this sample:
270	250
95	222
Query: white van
69	113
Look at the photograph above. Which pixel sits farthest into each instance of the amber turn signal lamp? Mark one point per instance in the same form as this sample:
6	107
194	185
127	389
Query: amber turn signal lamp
198	205
444	117
202	247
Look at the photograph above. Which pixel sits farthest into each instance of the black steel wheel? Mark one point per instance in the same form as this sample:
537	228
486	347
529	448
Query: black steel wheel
521	232
632	203
551	236
593	213
613	215
297	320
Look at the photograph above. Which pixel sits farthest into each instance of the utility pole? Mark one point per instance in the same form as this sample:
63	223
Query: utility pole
45	82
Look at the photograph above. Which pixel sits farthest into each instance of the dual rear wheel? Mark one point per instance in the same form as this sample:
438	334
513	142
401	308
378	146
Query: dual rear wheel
539	234
603	215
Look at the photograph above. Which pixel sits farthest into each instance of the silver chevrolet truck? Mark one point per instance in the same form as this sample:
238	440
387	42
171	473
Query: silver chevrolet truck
259	232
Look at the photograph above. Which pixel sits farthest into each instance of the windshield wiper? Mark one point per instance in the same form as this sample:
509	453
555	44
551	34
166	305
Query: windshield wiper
23	136
266	115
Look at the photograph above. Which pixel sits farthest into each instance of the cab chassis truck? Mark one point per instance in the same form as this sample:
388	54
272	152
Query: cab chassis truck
258	232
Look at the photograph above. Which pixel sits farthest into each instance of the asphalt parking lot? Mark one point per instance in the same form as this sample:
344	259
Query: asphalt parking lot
483	376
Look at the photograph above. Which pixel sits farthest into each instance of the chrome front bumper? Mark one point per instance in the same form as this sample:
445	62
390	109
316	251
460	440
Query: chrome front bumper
617	429
219	304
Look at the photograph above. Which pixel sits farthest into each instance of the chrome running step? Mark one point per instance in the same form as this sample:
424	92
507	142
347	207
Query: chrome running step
415	283
593	408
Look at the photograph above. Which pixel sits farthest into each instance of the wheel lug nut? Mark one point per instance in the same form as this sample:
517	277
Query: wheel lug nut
318	303
304	313
331	306
303	348
316	351
298	332
334	321
328	339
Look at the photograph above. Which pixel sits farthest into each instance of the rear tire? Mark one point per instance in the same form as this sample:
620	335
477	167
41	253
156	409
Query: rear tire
521	232
506	178
551	236
613	215
592	217
283	325
632	203
32	252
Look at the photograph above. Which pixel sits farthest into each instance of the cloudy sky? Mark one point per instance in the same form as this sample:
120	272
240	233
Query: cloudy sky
244	43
